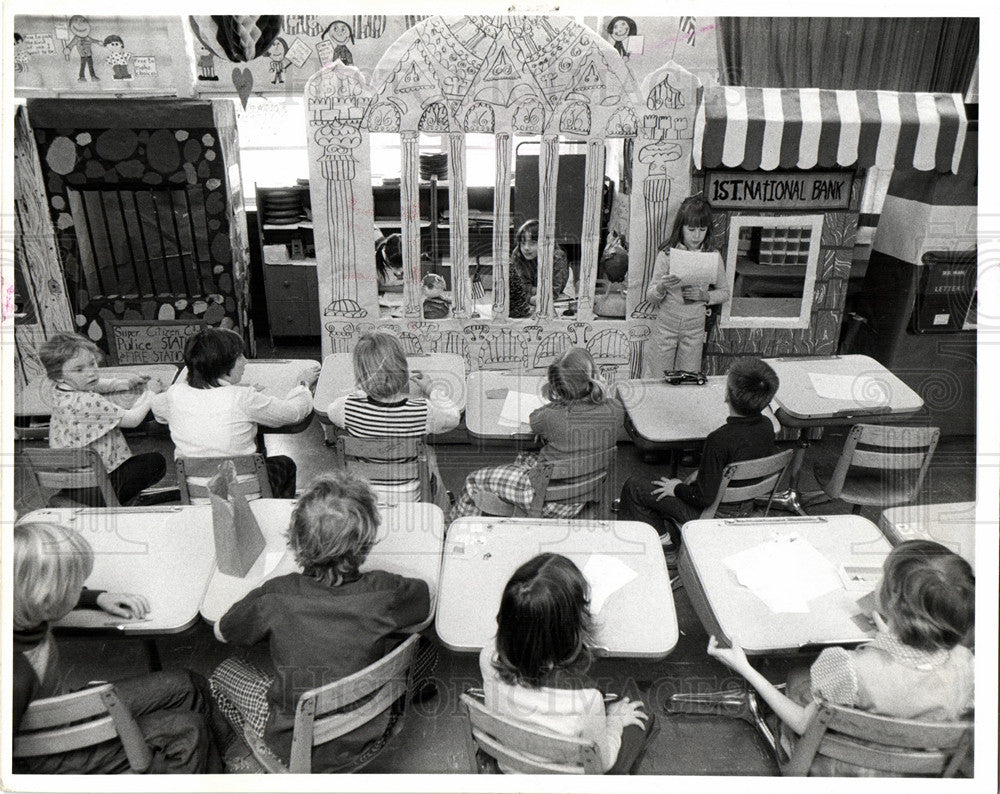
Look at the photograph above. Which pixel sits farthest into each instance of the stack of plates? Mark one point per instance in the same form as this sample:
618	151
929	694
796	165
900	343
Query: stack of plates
280	206
434	165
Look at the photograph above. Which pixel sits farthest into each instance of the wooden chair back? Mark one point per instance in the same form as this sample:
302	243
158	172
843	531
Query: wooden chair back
586	478
71	468
750	479
81	719
886	448
888	744
193	475
386	460
321	715
522	749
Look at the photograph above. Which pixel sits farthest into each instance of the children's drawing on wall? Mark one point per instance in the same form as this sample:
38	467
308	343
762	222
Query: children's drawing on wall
205	61
624	35
333	44
278	55
238	39
21	57
79	27
118	57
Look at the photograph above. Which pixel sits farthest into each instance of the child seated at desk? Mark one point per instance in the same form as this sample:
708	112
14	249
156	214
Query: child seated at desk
213	416
667	503
385	409
580	419
916	667
174	709
322	624
535	670
82	418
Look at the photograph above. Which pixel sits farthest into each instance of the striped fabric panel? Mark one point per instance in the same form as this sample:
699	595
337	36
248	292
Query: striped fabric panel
366	420
768	128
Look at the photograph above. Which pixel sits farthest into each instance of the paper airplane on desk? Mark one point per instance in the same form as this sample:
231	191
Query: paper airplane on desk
238	539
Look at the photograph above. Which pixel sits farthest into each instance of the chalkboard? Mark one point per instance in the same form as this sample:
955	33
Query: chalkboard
149	341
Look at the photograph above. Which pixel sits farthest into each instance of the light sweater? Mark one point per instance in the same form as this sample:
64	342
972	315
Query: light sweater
222	421
569	712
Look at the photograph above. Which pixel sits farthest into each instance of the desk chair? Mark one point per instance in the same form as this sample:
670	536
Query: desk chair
521	748
747	480
57	469
193	475
880	465
396	460
81	719
587	478
888	744
322	714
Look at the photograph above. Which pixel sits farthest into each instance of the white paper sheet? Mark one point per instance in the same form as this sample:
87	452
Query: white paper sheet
785	573
606	576
859	388
517	408
694	267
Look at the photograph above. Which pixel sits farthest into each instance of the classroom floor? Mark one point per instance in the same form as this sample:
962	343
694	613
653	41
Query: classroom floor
432	739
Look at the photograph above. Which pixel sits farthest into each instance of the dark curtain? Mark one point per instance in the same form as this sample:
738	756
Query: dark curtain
898	54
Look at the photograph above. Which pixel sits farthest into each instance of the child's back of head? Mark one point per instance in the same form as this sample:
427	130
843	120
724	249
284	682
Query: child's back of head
572	377
59	348
51	563
750	386
928	595
333	527
380	367
544	621
210	355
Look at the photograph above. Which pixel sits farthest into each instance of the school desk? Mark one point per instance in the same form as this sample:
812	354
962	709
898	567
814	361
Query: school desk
834	391
277	376
727	609
445	370
166	553
32	411
952	525
488	389
409	543
662	416
481	553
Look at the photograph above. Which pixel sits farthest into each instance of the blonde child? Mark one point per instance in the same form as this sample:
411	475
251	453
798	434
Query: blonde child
174	709
580	419
213	415
916	667
320	625
679	329
83	418
535	670
383	408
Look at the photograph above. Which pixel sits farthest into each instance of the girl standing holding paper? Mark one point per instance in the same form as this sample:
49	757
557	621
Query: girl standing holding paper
679	330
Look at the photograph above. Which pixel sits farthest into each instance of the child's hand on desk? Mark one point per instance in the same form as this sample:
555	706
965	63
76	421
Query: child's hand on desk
124	605
630	712
256	386
153	385
135	381
664	487
310	375
732	657
422	381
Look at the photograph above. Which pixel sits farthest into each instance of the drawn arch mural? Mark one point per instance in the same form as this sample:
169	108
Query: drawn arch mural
504	76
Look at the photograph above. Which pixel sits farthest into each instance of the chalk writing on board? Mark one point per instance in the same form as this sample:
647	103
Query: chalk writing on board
150	342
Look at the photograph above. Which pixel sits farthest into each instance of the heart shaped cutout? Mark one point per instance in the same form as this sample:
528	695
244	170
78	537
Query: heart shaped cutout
243	83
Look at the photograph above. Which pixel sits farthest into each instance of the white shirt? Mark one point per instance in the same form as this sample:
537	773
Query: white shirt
222	421
570	712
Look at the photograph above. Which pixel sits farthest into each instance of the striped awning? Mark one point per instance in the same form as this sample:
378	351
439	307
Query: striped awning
768	128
